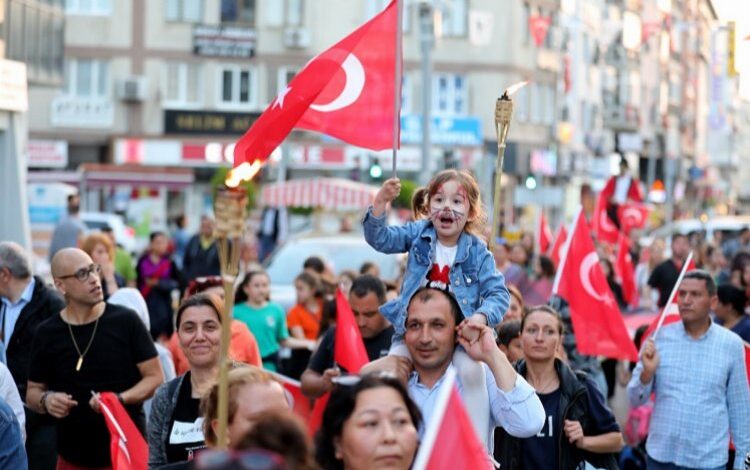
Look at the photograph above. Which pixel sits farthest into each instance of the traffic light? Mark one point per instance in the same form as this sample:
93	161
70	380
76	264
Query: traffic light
376	172
530	182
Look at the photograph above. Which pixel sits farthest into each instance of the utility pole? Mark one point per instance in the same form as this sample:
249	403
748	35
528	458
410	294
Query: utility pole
427	41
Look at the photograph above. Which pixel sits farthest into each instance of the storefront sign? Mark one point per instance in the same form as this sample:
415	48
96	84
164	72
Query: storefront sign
47	153
459	131
224	41
92	113
13	89
207	122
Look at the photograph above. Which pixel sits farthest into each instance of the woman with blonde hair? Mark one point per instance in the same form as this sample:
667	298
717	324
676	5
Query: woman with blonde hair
99	246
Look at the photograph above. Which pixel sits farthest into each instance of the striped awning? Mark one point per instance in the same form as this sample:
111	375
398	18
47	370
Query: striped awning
327	193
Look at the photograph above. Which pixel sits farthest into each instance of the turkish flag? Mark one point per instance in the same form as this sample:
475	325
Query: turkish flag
558	245
348	348
346	92
128	449
604	229
671	312
450	440
539	25
747	361
597	323
633	216
626	271
299	402
316	416
545	234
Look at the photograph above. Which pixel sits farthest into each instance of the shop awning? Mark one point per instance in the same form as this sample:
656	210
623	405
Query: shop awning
104	176
328	193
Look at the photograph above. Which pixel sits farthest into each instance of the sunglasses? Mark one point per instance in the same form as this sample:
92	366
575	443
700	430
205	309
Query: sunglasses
84	273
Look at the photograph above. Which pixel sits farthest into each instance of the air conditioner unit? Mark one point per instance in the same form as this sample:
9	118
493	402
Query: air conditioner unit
133	89
296	38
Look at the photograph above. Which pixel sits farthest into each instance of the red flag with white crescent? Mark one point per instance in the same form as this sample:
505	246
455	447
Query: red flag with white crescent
633	216
346	92
626	271
604	229
671	313
299	402
128	448
545	234
597	323
348	348
556	253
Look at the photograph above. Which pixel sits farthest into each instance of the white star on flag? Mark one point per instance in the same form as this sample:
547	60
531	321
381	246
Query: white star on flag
280	98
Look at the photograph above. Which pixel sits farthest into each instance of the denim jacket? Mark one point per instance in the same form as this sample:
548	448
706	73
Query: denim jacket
475	282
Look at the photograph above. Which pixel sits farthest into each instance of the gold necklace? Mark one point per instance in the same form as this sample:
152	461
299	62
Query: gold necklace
81	355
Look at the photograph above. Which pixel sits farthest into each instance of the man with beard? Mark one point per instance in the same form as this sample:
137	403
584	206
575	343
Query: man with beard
89	346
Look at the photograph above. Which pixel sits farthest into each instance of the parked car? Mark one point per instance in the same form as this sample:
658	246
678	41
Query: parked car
125	235
341	252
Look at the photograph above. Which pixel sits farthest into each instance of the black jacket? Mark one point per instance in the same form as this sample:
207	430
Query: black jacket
45	303
199	262
573	406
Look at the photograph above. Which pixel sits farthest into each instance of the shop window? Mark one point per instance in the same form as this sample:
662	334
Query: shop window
86	78
450	95
238	87
182	85
185	11
239	11
454	18
88	7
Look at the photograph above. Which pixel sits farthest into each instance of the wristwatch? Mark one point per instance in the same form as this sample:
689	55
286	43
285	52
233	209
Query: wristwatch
43	401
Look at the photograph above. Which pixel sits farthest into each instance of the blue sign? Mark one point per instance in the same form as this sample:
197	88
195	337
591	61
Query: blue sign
460	131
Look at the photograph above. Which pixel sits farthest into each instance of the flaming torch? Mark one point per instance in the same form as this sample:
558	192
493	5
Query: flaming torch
503	116
230	209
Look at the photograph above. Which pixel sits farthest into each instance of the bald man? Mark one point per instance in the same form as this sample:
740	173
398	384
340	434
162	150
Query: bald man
89	346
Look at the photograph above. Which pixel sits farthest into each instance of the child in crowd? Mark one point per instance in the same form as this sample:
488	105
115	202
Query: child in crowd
509	339
445	252
265	319
304	318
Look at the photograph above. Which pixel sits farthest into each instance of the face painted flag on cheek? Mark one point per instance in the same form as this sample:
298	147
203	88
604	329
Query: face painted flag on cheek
346	92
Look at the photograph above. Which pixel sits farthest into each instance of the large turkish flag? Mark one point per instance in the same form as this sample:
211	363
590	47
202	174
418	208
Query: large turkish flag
556	253
626	271
597	323
604	229
633	216
346	92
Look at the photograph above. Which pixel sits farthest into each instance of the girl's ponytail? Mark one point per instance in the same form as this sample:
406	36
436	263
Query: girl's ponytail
419	203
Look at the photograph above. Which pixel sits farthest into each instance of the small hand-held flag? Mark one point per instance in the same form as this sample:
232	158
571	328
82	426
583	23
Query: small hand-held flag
604	229
348	348
346	92
671	313
545	234
128	449
626	271
597	323
556	253
450	440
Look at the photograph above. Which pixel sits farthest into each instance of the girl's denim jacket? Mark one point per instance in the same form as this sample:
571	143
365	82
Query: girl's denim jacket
475	282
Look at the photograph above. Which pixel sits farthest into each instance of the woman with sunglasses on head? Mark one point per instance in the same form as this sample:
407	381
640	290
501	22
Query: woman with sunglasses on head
175	428
243	346
579	426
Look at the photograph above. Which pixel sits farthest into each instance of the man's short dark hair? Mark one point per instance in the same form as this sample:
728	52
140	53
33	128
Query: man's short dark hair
508	331
314	263
744	230
367	283
677	236
702	275
733	296
425	294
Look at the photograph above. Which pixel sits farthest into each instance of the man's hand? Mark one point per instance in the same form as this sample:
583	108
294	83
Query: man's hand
650	360
574	432
59	404
398	366
484	347
94	403
388	192
471	334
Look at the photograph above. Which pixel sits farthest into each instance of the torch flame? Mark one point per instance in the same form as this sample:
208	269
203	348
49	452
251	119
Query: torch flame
515	87
244	172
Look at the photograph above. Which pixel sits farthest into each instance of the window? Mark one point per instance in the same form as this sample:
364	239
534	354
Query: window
286	74
238	87
186	11
455	19
284	12
238	11
549	104
34	34
88	7
86	78
373	7
449	95
182	85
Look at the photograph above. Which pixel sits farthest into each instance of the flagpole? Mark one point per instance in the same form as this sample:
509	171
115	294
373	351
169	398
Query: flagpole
671	296
430	435
397	84
571	232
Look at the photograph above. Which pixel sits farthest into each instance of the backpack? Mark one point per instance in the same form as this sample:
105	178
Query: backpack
636	426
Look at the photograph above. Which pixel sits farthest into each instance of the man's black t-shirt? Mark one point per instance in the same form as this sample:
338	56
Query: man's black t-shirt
663	278
119	344
377	346
186	425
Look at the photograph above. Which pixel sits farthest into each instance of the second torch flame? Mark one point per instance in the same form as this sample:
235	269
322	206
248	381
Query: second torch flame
514	88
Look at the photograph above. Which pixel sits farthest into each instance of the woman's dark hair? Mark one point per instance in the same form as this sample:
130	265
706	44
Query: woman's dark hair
201	284
153	235
366	267
546	266
340	406
239	295
314	263
546	309
199	300
311	280
282	432
327	317
733	296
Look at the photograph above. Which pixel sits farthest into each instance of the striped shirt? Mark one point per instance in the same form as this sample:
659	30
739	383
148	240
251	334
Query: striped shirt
701	393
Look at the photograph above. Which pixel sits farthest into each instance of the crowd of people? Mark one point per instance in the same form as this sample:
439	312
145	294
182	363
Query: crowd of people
149	330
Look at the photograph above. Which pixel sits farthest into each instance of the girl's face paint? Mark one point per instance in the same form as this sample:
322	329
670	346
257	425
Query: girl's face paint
449	207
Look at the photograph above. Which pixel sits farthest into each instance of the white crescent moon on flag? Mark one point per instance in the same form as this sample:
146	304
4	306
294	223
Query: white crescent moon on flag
355	83
633	214
587	265
605	223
